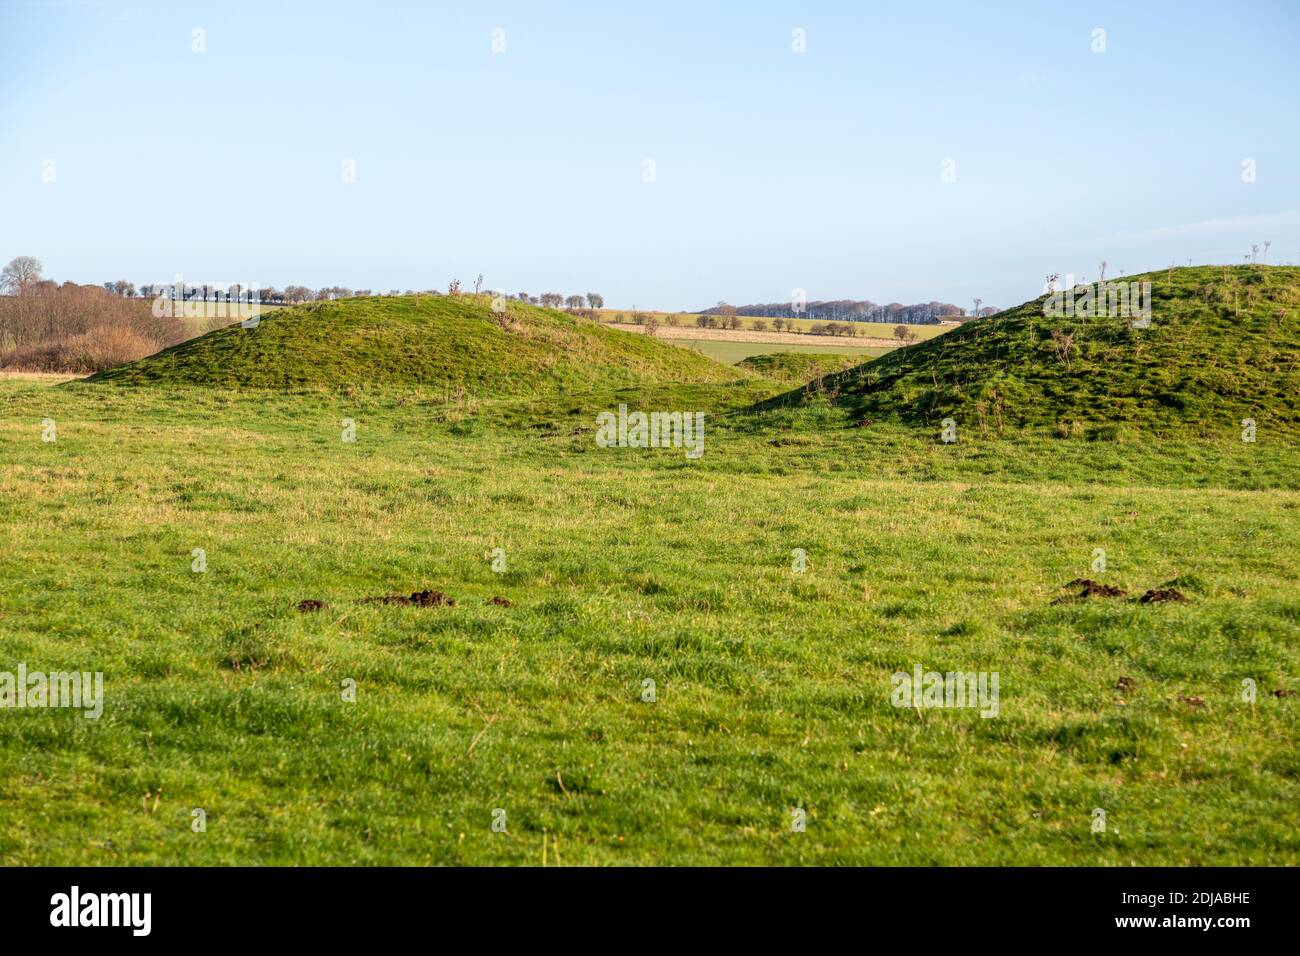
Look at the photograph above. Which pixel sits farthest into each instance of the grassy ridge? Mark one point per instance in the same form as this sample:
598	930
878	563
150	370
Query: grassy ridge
797	366
438	342
731	352
1223	345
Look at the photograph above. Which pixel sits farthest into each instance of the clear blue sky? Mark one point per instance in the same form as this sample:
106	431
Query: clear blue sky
774	169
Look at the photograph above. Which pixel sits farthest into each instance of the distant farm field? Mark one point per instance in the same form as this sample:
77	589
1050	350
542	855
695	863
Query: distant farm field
688	320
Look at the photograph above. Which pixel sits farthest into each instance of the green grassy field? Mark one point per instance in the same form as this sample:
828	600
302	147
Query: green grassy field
729	353
625	566
797	367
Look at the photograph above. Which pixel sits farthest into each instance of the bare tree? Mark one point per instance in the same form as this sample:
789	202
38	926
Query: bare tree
978	303
1254	251
20	275
1267	243
454	288
574	302
595	300
1101	271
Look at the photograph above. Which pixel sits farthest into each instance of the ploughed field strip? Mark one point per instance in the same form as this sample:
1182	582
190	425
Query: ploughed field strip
361	625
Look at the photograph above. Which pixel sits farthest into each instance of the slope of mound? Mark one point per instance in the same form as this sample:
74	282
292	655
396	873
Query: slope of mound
1223	344
797	366
422	340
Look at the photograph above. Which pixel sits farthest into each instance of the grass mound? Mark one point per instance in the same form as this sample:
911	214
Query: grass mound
797	366
1223	345
428	341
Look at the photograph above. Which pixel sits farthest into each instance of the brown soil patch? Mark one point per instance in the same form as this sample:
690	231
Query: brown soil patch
416	599
1091	588
1157	595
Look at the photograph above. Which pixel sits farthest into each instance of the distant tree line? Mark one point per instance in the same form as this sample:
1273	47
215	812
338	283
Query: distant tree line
24	274
554	300
705	320
208	292
849	310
